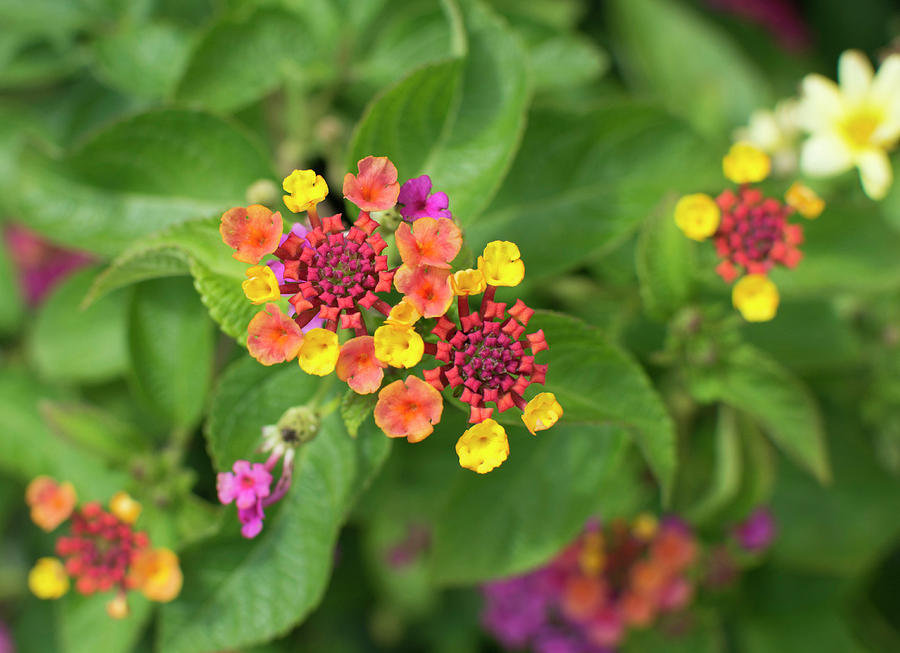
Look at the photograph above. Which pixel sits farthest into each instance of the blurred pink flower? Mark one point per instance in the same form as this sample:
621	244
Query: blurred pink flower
6	641
40	264
780	17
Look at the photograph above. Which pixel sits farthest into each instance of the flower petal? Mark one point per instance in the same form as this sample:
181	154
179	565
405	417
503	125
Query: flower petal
252	232
408	409
273	337
426	288
358	366
821	104
855	74
875	172
825	155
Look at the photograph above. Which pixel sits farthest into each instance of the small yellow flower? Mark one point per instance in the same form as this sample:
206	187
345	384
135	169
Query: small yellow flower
398	346
645	526
805	200
319	352
483	447
403	314
542	412
697	216
124	507
501	264
592	557
48	579
746	164
261	285
756	297
468	282
306	189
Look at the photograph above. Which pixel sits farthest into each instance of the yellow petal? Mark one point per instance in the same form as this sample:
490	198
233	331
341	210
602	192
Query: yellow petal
48	579
697	216
483	447
746	164
319	352
403	314
470	282
805	200
542	412
261	285
398	346
306	189
124	507
756	297
501	264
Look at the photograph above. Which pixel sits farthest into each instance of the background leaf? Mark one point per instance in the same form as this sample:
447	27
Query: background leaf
171	344
664	263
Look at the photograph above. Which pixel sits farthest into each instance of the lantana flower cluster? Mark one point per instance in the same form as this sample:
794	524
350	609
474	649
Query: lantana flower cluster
854	123
752	233
611	579
338	282
101	552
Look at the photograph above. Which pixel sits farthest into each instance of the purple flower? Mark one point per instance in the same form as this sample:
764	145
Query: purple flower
6	642
515	609
757	531
417	203
553	639
780	17
246	486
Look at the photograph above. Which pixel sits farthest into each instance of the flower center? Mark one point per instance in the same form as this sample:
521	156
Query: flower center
859	128
342	268
488	357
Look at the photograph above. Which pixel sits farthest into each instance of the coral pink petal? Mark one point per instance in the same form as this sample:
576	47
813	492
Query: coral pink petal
426	288
273	337
358	366
376	187
408	409
252	232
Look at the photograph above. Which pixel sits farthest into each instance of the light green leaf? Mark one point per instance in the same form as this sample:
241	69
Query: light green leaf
93	429
11	300
144	60
715	85
726	480
69	343
85	627
138	176
458	121
583	182
754	383
243	58
171	344
242	592
664	262
355	409
597	383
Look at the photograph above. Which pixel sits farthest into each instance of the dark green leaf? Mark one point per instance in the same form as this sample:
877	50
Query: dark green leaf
714	85
85	627
93	429
582	182
171	344
11	300
726	480
597	383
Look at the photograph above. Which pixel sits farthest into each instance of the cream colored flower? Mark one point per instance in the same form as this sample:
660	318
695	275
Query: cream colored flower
853	124
776	133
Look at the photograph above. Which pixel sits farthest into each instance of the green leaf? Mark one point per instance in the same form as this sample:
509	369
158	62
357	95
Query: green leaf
850	248
458	121
241	592
522	513
583	182
171	343
29	448
242	59
726	481
664	263
85	627
355	409
72	344
142	60
754	383
715	87
702	632
11	300
193	247
137	176
93	429
597	383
